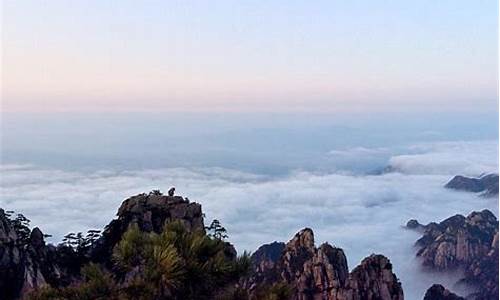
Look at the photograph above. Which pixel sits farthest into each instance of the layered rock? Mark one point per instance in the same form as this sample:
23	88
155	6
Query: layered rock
469	243
439	292
487	184
322	273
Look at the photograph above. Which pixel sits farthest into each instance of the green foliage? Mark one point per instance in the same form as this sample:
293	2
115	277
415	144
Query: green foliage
216	230
98	285
278	291
175	264
79	242
21	226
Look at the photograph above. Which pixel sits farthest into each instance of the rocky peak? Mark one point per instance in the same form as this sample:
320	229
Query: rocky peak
25	264
150	212
373	279
439	292
487	184
153	210
304	239
322	273
469	243
37	238
270	252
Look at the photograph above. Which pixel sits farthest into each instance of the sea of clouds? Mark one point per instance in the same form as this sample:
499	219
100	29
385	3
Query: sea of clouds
362	214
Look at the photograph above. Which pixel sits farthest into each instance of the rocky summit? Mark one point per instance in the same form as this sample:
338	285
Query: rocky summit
322	272
27	262
439	292
469	243
150	212
487	185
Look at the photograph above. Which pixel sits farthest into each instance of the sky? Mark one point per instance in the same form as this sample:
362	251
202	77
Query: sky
249	56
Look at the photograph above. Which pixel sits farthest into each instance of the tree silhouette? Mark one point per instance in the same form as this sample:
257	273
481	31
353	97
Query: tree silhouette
216	230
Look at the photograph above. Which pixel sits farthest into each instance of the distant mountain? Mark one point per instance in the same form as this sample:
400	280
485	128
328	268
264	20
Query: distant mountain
487	185
322	273
469	243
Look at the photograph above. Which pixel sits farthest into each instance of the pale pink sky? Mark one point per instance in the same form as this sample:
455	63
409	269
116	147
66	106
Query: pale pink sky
179	55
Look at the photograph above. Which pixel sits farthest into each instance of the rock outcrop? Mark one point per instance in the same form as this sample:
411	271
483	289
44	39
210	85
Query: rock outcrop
487	185
469	243
264	258
439	292
150	212
322	273
26	262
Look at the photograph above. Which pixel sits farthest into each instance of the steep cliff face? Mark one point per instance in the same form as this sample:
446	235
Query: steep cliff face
487	184
469	243
373	279
322	273
27	263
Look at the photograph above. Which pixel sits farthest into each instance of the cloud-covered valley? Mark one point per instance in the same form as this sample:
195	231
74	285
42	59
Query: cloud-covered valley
362	214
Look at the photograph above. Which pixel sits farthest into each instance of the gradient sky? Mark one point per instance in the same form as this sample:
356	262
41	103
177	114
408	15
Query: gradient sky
249	55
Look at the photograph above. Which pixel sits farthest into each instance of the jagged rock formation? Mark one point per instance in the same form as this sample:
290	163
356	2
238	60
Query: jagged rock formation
487	185
266	256
322	273
438	292
469	243
26	262
151	212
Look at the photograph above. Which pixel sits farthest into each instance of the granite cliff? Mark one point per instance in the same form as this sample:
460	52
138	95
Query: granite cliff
467	243
322	272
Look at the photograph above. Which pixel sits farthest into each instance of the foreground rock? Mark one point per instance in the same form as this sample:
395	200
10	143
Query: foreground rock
27	263
487	185
469	243
322	273
438	292
150	212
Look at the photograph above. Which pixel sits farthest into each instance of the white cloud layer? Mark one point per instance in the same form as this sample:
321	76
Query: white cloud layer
449	158
362	214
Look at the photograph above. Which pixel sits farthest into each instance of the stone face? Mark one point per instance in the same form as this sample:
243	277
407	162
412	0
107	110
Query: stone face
322	273
487	184
469	243
438	292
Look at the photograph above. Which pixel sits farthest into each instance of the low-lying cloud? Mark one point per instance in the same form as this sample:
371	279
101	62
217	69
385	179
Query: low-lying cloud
361	214
469	158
